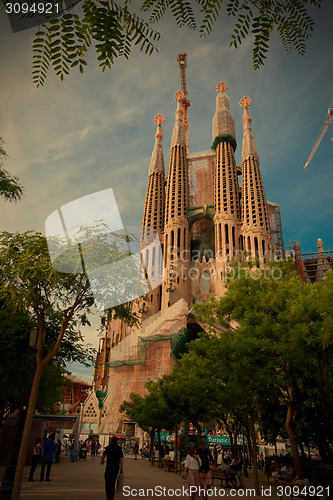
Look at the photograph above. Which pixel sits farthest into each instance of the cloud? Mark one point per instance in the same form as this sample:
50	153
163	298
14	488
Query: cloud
67	140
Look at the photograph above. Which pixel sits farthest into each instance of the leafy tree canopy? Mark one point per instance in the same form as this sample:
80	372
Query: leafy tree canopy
30	282
282	336
10	187
113	28
266	359
33	291
17	359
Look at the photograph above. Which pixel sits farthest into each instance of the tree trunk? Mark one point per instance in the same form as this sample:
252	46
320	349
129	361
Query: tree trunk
329	451
254	455
159	446
152	444
249	447
231	442
176	451
234	451
303	455
11	463
199	430
291	433
26	433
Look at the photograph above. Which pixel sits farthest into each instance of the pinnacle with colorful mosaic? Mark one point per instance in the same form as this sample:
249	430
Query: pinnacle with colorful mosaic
221	87
159	119
245	102
179	96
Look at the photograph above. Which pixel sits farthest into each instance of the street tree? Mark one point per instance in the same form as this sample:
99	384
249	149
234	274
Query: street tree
286	327
29	282
186	393
113	29
228	383
17	359
137	410
151	412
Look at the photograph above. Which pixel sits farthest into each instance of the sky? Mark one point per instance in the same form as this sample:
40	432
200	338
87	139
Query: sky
96	131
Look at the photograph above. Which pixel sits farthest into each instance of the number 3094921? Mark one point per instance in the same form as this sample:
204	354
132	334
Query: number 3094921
35	8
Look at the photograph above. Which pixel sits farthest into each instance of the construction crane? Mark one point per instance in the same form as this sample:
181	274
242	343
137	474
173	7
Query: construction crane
186	103
324	127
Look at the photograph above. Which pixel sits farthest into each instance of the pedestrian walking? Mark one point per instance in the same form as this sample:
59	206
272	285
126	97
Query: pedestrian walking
58	452
136	451
114	461
35	459
192	464
239	469
206	460
49	448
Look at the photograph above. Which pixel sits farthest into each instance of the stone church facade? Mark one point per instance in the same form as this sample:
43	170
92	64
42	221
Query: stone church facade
207	213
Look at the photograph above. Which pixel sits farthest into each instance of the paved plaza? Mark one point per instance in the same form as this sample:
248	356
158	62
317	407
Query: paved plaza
85	480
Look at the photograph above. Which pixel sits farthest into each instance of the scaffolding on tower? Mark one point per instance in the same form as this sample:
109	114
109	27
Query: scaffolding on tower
276	228
186	103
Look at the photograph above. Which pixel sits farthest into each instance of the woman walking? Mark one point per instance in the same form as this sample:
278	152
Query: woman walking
192	464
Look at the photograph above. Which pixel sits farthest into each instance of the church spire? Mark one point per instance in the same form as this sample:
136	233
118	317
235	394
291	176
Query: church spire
153	213
227	218
176	230
178	136
177	182
249	143
256	229
223	121
157	158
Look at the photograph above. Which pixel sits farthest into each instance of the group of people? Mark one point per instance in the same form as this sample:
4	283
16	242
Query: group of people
91	446
44	453
286	473
198	465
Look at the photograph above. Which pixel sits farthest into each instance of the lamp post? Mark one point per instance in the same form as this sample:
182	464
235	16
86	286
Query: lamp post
10	467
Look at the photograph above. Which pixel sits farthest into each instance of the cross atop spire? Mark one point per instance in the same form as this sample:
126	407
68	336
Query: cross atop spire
245	102
159	119
221	87
179	96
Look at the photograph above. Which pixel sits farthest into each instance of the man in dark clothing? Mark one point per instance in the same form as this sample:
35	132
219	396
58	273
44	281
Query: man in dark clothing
136	451
206	459
114	460
58	452
47	459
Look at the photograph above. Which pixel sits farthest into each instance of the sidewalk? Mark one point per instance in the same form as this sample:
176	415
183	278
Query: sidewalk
85	480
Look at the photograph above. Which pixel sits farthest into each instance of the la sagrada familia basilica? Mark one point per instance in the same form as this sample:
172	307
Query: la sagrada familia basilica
207	211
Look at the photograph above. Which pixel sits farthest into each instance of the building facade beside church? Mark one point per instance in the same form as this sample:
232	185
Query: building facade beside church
207	211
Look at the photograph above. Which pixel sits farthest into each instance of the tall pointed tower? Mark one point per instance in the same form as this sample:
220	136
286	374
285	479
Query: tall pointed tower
153	212
176	230
227	219
153	215
204	220
255	230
